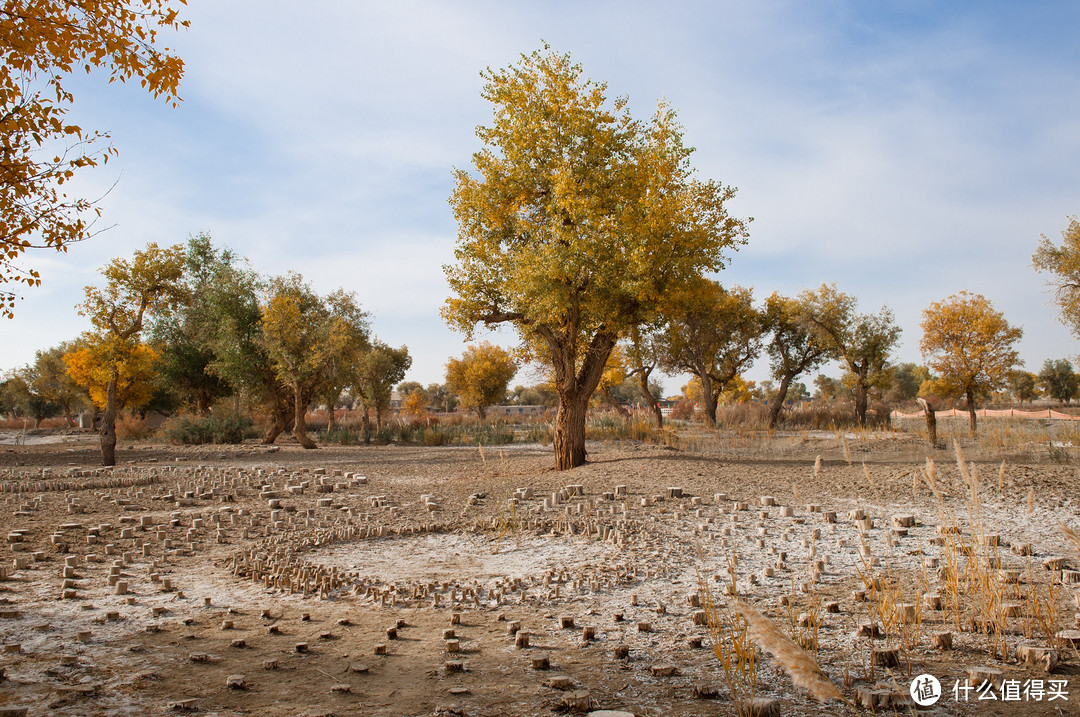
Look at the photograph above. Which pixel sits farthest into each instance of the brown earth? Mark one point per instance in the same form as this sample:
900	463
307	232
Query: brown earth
308	557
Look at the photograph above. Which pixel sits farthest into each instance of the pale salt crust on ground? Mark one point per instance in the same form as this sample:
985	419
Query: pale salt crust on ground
125	670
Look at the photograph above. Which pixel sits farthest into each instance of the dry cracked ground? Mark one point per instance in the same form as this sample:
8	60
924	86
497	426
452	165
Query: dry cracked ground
458	581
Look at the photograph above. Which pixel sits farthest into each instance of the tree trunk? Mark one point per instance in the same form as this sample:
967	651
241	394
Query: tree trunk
709	399
378	416
860	399
108	424
931	421
481	412
279	416
971	413
778	404
299	429
569	438
202	405
614	403
331	419
654	404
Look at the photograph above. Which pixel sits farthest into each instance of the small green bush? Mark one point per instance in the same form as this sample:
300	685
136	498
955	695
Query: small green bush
343	437
201	430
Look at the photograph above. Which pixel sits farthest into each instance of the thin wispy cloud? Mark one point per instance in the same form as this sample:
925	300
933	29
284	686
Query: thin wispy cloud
904	150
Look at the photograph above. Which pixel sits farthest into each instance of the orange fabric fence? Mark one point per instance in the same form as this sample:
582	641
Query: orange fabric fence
990	413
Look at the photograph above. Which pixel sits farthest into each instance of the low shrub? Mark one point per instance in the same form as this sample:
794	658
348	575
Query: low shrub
131	428
193	430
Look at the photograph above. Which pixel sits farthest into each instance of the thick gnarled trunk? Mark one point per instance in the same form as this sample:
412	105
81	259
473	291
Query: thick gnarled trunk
861	396
654	403
300	400
569	438
575	387
108	424
778	403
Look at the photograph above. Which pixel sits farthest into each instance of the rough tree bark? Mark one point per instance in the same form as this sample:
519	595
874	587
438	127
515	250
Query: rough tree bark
654	403
300	400
861	396
574	388
108	424
778	404
931	420
971	412
280	415
569	437
614	403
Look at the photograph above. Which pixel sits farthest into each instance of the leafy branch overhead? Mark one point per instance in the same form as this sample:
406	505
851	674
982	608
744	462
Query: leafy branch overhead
41	44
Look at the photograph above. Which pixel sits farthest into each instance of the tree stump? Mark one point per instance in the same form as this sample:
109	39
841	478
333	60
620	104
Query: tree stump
931	421
885	657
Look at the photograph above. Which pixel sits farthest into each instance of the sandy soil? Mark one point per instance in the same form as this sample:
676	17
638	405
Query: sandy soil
291	568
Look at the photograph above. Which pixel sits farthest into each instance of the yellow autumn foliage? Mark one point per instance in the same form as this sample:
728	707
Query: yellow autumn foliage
90	365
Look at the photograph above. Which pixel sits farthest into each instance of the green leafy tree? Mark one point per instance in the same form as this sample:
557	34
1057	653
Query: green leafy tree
905	381
714	333
233	332
1024	385
481	376
576	224
48	377
378	370
312	342
150	283
441	397
1063	264
862	341
794	348
970	347
42	42
1059	381
185	338
26	399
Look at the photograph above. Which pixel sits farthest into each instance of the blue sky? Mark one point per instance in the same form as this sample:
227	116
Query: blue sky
905	151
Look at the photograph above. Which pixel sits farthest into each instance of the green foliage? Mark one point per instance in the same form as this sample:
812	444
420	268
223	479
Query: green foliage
905	381
1058	380
377	371
1023	385
199	430
863	342
186	339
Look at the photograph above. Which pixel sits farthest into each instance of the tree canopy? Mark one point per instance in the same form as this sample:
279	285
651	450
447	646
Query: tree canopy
793	347
150	283
1059	380
713	333
576	224
481	376
863	342
311	341
41	44
1063	263
970	347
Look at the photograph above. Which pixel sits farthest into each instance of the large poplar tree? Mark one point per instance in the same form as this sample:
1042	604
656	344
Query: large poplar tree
575	223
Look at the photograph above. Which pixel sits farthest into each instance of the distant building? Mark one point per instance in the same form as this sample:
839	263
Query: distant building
515	411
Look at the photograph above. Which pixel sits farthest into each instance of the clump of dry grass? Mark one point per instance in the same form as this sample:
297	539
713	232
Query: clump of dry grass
731	643
803	670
